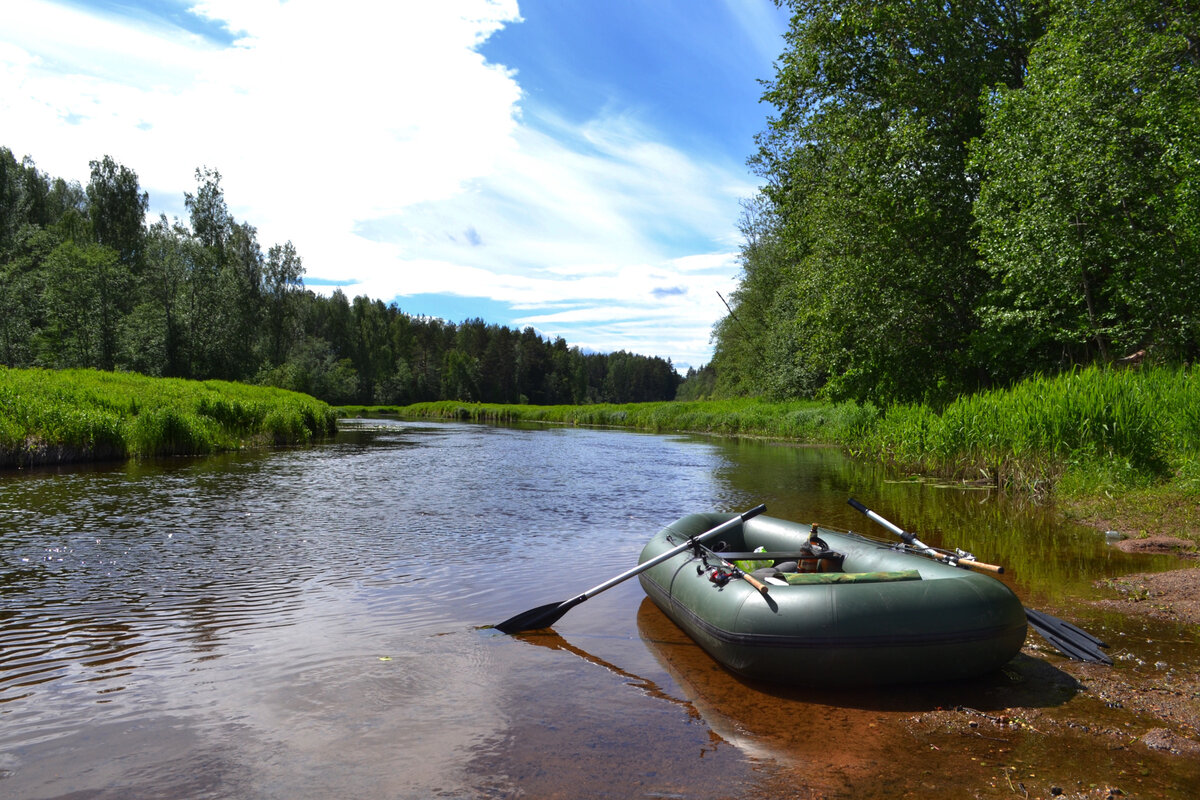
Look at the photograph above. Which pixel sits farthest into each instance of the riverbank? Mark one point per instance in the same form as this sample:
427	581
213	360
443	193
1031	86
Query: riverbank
1113	449
62	416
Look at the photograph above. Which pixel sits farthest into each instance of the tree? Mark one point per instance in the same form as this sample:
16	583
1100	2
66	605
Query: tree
758	345
372	356
460	376
159	331
117	210
282	285
211	221
82	288
865	166
1089	218
13	214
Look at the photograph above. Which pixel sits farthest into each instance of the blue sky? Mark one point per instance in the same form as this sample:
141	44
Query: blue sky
574	165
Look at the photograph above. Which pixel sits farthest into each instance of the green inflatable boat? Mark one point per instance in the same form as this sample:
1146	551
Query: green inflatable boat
831	608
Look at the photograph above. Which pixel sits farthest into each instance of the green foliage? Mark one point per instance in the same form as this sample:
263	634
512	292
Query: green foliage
84	283
1085	431
1089	216
960	195
87	415
806	421
859	264
117	210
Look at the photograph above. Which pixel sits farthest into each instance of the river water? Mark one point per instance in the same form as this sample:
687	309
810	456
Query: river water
311	623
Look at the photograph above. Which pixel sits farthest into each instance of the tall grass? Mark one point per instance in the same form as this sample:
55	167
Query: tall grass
1090	428
87	415
806	421
1084	431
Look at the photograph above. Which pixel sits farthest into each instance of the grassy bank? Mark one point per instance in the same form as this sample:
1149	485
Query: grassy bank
1079	433
1114	445
810	422
49	417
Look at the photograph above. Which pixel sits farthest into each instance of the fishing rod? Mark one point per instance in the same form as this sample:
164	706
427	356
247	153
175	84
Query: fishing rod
959	558
1070	640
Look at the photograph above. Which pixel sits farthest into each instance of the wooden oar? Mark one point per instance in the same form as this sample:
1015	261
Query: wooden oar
547	615
1071	641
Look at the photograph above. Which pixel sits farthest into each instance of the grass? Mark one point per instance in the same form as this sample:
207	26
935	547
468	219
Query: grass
1083	432
805	421
51	416
1080	433
1115	445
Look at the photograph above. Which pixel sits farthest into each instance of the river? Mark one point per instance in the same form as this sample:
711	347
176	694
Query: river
312	623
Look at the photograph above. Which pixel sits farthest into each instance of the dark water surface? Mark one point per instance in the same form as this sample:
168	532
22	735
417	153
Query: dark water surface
306	624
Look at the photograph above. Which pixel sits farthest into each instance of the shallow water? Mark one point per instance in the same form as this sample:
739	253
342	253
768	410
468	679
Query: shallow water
309	623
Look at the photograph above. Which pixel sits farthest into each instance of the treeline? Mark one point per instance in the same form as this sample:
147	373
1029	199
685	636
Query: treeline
960	195
85	282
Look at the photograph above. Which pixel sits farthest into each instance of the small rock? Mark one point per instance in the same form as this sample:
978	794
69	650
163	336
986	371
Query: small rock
1165	740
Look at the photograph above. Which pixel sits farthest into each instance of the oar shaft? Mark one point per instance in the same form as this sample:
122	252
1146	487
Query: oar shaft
908	538
669	554
547	615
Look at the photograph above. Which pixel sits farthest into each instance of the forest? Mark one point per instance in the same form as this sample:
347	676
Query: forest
954	197
958	196
85	282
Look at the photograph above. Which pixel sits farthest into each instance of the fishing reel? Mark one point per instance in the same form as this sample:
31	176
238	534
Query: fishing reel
720	576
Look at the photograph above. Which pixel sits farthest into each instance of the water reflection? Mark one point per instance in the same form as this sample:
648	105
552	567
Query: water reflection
1042	555
315	606
304	623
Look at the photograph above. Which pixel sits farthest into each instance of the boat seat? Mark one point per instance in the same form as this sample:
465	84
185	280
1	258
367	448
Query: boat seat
766	563
806	578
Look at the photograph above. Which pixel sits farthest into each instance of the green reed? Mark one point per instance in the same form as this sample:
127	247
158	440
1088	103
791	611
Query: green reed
1092	426
1085	430
806	421
51	416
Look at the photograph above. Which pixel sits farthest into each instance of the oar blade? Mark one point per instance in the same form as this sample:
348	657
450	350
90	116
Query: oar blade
545	616
533	619
536	618
1044	619
1073	642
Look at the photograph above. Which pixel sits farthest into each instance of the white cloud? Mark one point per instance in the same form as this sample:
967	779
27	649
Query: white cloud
378	139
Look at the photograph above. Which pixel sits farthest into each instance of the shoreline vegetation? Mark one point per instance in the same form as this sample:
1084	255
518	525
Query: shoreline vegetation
50	417
1115	448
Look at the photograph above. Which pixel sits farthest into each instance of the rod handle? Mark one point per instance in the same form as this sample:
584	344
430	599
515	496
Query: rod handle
755	582
980	566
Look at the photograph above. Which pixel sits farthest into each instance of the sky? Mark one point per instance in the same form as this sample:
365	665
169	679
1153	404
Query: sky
577	166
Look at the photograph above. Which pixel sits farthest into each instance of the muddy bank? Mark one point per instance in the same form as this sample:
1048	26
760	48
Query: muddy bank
1143	713
1160	545
1172	596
